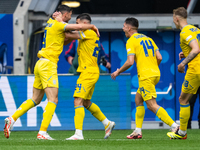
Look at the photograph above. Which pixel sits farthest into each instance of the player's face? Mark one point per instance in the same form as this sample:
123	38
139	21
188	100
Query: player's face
126	30
78	21
175	20
67	16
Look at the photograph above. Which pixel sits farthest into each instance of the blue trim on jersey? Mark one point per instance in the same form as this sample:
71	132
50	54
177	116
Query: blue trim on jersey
33	102
78	107
156	50
184	105
191	41
65	27
80	34
131	54
157	110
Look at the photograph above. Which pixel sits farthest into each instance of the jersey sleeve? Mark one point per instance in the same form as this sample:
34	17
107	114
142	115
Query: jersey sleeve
87	34
130	48
61	26
187	37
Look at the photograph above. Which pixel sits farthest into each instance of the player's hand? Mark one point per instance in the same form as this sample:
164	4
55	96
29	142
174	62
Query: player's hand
115	74
95	29
181	55
70	60
181	68
108	65
55	14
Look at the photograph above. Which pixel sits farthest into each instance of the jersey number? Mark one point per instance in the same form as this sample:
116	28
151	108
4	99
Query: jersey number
198	37
147	46
44	39
96	49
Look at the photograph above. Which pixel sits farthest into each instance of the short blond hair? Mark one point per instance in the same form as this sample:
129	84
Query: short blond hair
180	11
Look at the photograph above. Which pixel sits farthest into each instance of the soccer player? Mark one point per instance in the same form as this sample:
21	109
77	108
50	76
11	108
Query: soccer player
46	78
145	53
87	59
190	45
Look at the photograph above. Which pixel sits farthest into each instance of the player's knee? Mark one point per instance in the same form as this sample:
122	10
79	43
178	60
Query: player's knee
78	101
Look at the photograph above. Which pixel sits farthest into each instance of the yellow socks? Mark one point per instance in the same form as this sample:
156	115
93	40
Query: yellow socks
47	115
139	116
184	116
96	112
162	114
79	117
25	106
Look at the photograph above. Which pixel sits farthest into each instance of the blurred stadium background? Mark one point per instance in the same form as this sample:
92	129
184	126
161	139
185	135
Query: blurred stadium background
22	23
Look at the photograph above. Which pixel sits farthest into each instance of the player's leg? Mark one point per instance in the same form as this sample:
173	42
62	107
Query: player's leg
148	93
184	115
192	102
94	109
52	96
38	94
160	112
139	117
78	119
199	109
189	87
79	96
23	108
49	79
98	114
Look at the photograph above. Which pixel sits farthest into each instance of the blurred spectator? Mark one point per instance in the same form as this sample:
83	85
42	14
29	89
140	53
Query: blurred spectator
72	57
192	103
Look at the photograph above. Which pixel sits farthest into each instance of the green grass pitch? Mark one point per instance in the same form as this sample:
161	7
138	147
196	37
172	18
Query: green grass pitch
155	139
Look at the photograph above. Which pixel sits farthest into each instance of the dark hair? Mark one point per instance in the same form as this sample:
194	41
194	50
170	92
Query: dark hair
84	16
180	11
64	8
132	21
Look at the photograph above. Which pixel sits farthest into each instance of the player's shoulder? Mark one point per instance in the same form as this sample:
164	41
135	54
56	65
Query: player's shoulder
90	33
187	29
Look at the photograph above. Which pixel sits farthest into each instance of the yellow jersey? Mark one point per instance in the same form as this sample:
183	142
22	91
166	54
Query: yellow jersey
88	50
53	40
187	35
144	49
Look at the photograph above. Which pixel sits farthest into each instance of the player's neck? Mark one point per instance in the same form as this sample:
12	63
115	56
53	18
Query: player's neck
183	24
133	32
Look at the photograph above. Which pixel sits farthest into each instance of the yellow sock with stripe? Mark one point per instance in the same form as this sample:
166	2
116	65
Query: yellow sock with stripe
184	116
47	115
79	117
25	106
162	114
96	112
139	116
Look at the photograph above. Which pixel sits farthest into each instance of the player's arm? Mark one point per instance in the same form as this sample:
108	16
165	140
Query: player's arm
158	57
82	27
129	62
194	52
70	36
181	55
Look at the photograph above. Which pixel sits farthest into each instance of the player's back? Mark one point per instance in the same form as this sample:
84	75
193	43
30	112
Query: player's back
144	49
187	35
88	50
53	40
